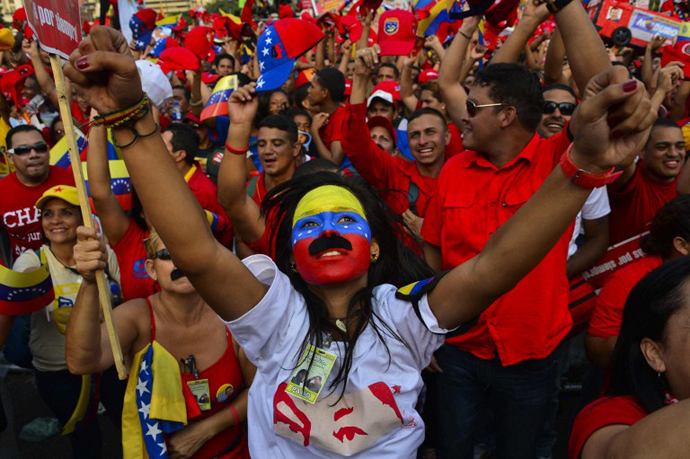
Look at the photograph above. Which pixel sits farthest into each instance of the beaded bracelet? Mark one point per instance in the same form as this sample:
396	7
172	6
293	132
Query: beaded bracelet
127	116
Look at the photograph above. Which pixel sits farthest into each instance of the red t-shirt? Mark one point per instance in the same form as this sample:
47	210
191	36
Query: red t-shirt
131	258
474	198
634	205
260	190
608	312
606	411
455	146
332	130
20	217
206	193
381	170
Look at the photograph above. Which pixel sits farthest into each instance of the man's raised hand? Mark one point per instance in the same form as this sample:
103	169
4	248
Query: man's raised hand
367	61
242	105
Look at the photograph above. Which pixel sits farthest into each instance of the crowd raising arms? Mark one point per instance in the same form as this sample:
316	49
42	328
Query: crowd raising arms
471	286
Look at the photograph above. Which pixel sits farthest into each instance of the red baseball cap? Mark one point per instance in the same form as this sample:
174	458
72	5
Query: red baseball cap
386	90
428	75
305	76
397	33
382	121
148	16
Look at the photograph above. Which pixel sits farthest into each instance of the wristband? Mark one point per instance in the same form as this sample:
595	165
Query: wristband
234	414
236	152
197	103
556	5
583	178
464	34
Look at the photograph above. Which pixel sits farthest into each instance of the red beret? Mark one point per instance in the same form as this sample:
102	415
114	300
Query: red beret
178	59
199	42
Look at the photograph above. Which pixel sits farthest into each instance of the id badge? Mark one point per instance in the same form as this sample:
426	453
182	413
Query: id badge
202	393
311	374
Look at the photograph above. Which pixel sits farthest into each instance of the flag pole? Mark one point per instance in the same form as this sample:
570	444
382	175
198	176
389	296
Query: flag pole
103	290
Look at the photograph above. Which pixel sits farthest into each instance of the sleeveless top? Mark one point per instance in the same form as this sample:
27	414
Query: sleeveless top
225	382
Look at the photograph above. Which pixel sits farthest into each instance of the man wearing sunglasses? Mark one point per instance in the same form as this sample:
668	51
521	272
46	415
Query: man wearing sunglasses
559	104
509	358
29	155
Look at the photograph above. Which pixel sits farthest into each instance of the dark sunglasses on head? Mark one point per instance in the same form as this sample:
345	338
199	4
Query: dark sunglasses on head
21	150
566	108
473	108
162	254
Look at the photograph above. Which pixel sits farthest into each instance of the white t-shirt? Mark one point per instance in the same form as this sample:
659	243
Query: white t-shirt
47	339
375	419
596	206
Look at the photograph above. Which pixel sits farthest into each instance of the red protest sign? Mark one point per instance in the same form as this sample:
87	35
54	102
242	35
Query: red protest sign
56	23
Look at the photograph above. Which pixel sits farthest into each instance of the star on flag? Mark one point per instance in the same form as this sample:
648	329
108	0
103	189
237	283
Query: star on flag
155	429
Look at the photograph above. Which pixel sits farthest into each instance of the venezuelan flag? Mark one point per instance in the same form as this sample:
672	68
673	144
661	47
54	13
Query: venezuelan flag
120	182
683	40
168	20
236	19
421	4
23	293
154	404
216	222
59	154
685	126
435	15
217	104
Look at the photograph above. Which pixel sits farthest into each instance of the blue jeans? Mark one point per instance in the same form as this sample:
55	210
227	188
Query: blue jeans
519	396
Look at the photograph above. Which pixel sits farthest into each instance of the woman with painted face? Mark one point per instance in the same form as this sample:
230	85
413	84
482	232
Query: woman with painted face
646	412
65	394
332	299
209	374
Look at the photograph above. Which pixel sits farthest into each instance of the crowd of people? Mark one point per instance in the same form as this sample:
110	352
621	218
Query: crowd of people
334	238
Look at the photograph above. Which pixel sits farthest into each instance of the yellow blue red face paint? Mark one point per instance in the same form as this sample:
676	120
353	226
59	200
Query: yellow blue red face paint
331	237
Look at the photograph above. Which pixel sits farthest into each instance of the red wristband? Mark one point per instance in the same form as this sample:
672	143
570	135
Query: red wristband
234	413
236	152
583	178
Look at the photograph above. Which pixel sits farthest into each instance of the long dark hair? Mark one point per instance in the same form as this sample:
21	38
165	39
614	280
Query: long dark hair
655	298
396	264
672	220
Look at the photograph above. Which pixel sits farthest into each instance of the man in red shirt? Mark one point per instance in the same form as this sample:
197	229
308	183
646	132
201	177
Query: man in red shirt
28	153
646	186
508	356
278	149
182	143
326	92
408	185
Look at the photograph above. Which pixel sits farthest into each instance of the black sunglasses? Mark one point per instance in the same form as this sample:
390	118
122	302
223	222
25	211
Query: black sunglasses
566	108
473	108
162	254
21	150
